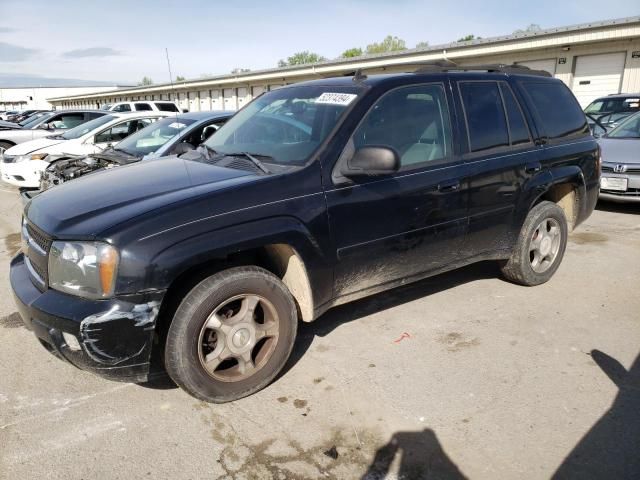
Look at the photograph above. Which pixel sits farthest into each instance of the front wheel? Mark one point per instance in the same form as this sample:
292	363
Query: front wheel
540	247
231	335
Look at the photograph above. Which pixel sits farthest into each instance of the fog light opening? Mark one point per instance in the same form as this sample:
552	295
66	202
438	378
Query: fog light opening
71	341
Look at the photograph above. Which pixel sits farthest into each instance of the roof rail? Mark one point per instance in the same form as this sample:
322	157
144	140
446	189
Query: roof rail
492	68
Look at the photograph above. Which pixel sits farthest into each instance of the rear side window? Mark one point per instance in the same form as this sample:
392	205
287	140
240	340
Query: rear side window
141	107
166	107
518	131
557	109
124	107
486	122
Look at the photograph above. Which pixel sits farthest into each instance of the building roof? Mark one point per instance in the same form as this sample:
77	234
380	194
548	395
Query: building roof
447	50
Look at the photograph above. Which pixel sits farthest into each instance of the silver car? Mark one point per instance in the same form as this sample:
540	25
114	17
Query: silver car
620	181
52	123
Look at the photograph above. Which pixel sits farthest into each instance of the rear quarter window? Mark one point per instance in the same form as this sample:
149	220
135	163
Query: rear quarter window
556	109
166	107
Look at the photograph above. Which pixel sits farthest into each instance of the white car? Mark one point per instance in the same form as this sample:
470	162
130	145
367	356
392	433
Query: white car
23	164
141	106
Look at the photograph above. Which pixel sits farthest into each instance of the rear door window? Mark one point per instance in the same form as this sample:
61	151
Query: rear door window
142	107
166	107
485	115
557	110
124	107
518	130
67	120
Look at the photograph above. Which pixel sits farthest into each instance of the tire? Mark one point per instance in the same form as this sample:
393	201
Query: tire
534	259
5	146
218	322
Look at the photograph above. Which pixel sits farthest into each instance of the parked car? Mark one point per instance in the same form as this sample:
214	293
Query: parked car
19	117
141	106
311	196
54	122
609	111
165	137
24	164
620	180
12	125
5	115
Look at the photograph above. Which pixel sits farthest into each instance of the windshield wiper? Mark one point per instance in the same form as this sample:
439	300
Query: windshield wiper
256	162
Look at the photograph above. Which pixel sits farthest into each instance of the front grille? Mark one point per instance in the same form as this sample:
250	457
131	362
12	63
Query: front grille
37	254
630	169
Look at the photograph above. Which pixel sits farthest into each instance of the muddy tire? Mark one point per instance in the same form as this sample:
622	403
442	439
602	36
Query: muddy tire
540	246
231	334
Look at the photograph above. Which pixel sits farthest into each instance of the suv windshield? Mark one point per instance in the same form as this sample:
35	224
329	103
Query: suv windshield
630	128
87	127
151	138
287	124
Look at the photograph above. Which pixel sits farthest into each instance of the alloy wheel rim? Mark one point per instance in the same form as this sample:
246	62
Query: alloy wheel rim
238	338
545	245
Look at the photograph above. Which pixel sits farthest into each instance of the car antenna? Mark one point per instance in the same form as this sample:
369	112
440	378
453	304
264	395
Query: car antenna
173	89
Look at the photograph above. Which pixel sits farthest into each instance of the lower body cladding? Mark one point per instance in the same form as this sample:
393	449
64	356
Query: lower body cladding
111	338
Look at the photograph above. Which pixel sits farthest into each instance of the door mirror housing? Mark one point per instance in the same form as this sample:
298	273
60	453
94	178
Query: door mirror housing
45	126
372	161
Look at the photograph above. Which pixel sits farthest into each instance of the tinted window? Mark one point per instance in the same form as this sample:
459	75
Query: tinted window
67	120
143	107
412	120
609	105
483	109
92	115
519	133
557	109
125	107
121	131
151	139
87	127
167	107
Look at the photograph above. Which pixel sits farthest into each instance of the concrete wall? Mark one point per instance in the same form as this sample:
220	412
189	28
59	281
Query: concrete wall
36	97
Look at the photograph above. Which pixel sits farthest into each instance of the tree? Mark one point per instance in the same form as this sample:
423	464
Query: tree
389	44
422	44
532	28
180	78
352	52
146	81
302	58
468	38
236	71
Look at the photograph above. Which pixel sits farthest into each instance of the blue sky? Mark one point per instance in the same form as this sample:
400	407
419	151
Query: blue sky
125	40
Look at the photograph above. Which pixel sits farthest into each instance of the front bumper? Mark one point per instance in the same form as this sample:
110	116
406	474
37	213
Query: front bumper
24	174
114	337
630	195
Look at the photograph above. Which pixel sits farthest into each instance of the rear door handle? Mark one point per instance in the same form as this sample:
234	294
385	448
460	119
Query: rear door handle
532	167
450	186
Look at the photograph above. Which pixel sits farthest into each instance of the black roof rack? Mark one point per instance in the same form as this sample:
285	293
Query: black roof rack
446	66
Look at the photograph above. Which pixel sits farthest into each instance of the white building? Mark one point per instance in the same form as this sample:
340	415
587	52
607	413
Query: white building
35	98
593	59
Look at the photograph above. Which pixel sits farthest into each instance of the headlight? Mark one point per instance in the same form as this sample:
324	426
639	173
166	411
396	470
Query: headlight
31	156
86	269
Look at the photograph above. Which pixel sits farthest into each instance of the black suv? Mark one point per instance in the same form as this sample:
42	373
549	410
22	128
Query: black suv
313	195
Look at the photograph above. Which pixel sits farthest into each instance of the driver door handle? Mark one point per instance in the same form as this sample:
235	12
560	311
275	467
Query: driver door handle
449	186
533	167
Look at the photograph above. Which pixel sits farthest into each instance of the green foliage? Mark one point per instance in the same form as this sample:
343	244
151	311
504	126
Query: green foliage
389	44
468	38
302	58
352	52
180	78
532	28
146	81
422	44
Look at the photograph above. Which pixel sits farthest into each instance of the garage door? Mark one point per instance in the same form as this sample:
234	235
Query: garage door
216	101
242	97
548	65
257	91
204	100
229	100
597	75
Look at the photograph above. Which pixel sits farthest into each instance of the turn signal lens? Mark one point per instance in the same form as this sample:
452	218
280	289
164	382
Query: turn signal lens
107	264
39	156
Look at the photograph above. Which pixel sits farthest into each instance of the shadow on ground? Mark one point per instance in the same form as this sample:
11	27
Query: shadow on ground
618	207
611	449
420	456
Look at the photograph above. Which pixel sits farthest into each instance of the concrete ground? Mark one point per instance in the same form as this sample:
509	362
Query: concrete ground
463	375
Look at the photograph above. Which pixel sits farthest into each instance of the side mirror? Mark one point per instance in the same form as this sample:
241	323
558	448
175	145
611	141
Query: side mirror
371	161
45	126
181	148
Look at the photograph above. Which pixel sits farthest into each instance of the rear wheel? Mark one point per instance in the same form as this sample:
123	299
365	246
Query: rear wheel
540	247
231	334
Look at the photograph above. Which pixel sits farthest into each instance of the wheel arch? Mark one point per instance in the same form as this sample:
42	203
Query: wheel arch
566	188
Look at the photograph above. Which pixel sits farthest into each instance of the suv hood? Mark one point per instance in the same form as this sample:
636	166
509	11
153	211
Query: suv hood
620	150
33	145
89	205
